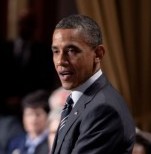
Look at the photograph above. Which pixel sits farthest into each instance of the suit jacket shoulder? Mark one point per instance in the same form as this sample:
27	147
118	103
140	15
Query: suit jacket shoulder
99	123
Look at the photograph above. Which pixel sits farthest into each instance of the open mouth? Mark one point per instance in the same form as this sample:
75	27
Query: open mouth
65	75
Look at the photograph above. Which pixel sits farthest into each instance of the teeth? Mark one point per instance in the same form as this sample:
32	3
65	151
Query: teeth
65	73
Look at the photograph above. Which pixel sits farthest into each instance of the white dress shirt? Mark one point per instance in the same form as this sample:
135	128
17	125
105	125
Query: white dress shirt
77	92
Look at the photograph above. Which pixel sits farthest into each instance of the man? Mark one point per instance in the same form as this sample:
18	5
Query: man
35	117
99	122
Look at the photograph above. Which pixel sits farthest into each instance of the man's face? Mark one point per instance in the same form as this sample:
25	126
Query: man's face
73	58
35	120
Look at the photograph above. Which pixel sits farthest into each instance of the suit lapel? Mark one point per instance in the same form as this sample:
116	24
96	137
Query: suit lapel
78	109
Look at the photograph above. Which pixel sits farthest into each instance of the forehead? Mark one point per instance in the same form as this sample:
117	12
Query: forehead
67	34
33	109
66	37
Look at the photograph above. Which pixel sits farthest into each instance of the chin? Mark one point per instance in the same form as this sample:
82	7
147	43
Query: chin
67	86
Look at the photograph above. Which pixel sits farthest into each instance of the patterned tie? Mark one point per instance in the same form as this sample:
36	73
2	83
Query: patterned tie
65	112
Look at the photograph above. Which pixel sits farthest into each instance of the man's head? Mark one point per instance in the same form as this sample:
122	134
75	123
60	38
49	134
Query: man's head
77	50
89	28
35	112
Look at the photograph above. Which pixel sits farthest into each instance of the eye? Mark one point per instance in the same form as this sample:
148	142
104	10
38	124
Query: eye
72	50
54	50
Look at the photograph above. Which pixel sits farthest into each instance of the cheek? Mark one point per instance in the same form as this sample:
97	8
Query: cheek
28	124
54	60
85	66
27	121
42	120
54	64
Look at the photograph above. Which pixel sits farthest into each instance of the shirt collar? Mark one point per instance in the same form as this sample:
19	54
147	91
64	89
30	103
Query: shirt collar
77	92
37	140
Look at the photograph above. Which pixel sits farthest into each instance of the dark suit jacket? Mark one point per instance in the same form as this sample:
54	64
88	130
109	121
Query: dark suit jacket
18	144
8	127
100	123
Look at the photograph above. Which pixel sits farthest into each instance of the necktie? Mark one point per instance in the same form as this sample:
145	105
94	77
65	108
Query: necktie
65	112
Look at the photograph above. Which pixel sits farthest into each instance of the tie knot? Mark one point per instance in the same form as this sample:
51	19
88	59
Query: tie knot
69	101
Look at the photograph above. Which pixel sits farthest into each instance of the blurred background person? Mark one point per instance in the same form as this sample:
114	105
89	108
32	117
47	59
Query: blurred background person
10	126
53	123
56	100
145	134
143	142
1	151
35	116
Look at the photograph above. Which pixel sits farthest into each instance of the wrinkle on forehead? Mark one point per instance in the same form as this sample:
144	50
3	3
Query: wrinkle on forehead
66	37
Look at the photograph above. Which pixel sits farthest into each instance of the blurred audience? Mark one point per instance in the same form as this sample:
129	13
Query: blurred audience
35	116
146	135
54	120
1	151
10	126
142	144
56	101
58	98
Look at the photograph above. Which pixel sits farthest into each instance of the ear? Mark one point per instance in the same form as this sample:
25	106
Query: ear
99	51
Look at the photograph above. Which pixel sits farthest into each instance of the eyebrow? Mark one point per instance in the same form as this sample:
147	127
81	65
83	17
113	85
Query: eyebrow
67	46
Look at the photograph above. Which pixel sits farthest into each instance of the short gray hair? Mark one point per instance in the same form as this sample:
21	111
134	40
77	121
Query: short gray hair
91	30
